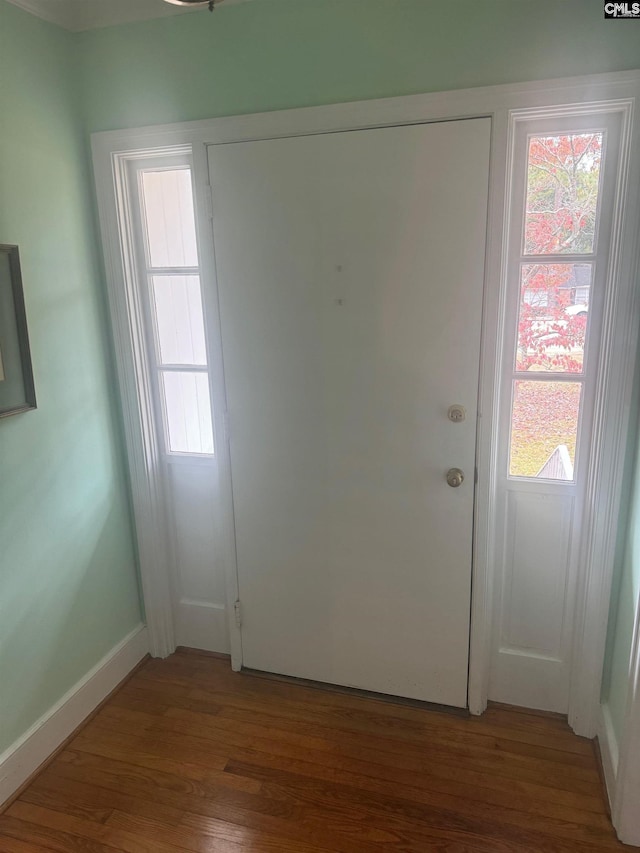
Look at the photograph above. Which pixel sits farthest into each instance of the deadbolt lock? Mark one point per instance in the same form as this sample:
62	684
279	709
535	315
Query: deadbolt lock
456	413
455	477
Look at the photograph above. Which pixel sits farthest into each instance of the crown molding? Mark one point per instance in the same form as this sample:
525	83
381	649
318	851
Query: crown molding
79	15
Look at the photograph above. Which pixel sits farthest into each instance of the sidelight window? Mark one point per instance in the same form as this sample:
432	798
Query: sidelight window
555	274
173	298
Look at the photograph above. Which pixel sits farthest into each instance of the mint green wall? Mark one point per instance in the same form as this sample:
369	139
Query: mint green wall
272	54
68	589
626	586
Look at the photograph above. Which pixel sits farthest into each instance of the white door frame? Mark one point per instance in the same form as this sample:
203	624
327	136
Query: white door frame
112	150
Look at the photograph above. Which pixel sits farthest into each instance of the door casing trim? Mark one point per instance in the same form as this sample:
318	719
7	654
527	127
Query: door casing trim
112	150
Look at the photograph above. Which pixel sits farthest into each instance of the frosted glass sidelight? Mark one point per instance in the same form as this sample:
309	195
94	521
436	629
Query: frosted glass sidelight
563	181
188	411
552	321
179	320
167	206
544	429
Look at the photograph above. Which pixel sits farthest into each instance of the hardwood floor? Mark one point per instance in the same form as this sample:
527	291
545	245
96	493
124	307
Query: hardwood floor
189	756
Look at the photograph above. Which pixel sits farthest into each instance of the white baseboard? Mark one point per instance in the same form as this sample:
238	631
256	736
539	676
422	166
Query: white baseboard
24	756
608	743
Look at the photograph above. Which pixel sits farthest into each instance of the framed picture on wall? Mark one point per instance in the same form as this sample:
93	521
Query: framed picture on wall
17	391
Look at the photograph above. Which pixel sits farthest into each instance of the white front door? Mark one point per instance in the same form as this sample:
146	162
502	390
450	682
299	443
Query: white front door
350	273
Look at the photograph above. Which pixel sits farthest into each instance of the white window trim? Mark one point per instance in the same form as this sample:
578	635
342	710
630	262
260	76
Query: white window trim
111	151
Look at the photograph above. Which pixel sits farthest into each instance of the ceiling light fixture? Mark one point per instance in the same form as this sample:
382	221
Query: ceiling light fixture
210	3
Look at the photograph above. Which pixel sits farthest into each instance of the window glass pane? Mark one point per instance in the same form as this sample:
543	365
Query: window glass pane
563	179
552	323
188	411
177	302
544	428
167	204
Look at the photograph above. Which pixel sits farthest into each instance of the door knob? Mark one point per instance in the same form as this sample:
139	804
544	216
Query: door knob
455	477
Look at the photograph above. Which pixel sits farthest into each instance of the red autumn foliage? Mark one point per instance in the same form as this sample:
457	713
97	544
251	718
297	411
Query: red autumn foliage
549	337
562	193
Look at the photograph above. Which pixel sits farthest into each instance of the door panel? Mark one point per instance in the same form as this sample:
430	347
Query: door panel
350	270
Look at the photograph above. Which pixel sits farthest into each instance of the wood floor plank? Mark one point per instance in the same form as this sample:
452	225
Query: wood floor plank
228	836
282	814
386	742
14	845
125	748
221	733
110	744
368	718
181	676
69	795
248	684
532	791
522	797
368	721
434	809
65	827
189	757
353	834
153	783
45	838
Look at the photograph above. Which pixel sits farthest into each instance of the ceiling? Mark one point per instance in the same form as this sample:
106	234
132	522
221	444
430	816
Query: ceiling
77	15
